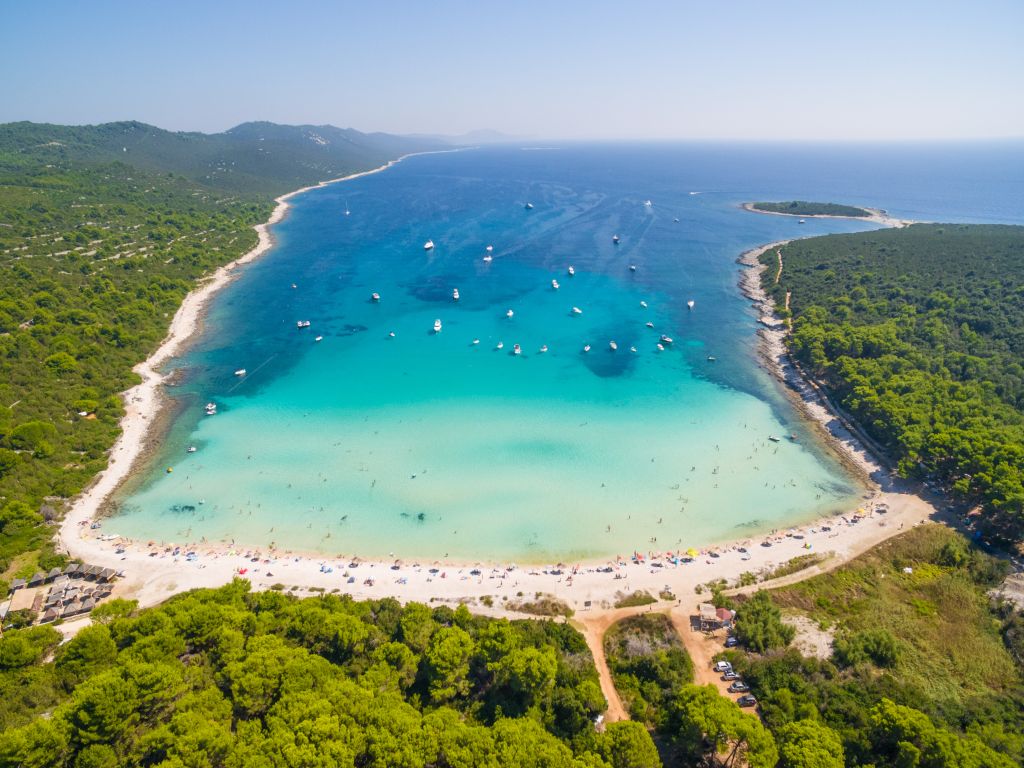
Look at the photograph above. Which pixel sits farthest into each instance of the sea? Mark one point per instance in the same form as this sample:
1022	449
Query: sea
369	434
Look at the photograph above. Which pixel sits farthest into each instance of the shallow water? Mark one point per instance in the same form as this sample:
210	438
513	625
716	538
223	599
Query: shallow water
425	444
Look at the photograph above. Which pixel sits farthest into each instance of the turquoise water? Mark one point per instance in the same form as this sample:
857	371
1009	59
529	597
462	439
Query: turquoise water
427	445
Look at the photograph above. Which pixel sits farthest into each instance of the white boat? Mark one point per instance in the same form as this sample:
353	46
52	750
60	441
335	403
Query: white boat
613	346
302	324
690	304
437	326
211	408
455	295
240	372
490	248
648	203
319	338
192	449
586	347
711	359
391	335
516	349
294	285
615	239
661	347
375	297
509	314
347	211
666	339
676	219
643	304
554	284
632	267
528	206
801	222
650	324
488	258
476	341
544	348
428	245
633	350
500	345
571	270
577	311
773	438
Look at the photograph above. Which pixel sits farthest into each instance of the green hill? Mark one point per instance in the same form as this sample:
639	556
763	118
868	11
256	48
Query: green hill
254	159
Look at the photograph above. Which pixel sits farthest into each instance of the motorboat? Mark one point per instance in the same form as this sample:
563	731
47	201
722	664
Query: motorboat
554	284
643	304
711	358
294	286
374	296
428	245
528	206
476	341
302	324
490	248
500	345
211	408
633	350
509	314
649	324
661	347
240	372
690	304
516	349
666	339
577	311
615	239
586	347
632	267
773	438
192	449
801	222
648	203
571	270
488	258
437	326
544	348
319	338
391	335
455	295
613	346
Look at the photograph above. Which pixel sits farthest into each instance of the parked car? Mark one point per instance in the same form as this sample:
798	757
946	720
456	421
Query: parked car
731	641
747	701
739	687
723	666
730	675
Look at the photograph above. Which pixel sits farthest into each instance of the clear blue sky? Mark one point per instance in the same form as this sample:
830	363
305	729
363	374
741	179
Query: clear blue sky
562	69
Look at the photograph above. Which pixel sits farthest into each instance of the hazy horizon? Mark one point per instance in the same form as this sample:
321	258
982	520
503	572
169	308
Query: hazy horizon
792	71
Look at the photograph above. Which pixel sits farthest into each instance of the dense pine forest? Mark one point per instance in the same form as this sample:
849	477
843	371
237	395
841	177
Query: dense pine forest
919	334
103	230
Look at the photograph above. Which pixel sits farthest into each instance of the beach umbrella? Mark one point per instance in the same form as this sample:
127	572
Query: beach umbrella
691	552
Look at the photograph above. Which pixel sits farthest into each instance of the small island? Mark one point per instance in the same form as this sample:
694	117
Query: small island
805	208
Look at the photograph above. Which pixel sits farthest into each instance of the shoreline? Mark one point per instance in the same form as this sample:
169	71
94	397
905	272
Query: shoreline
153	572
877	216
145	402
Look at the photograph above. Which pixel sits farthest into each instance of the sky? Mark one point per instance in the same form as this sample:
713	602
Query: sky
733	69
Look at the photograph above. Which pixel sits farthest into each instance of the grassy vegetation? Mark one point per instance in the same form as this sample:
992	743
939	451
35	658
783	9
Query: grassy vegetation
648	664
805	208
542	605
919	334
96	254
951	652
920	649
795	565
634	599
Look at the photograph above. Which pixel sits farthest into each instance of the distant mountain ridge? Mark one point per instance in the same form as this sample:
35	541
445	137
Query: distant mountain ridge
256	158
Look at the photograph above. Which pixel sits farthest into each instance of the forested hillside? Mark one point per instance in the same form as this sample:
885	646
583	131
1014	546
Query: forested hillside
919	334
228	678
98	247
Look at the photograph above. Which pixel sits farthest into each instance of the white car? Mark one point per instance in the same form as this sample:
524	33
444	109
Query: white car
723	666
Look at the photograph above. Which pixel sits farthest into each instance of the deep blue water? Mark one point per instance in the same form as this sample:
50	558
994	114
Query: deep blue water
426	444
